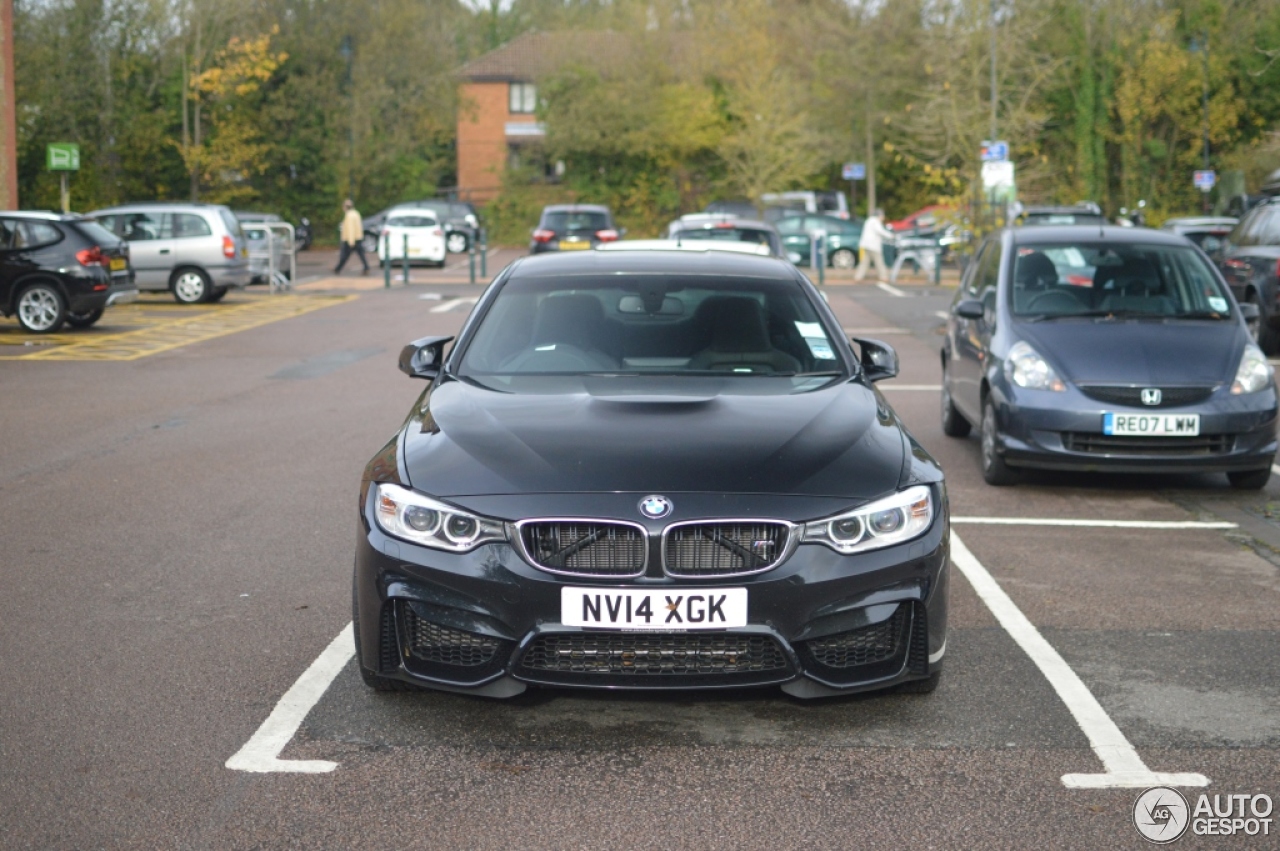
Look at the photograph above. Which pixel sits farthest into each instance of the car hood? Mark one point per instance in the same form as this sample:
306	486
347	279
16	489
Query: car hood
1139	352
608	434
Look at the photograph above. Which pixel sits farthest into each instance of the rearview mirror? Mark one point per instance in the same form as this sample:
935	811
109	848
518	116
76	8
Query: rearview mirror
423	358
879	360
970	308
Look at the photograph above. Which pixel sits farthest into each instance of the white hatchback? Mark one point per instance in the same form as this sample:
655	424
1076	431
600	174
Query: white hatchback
413	233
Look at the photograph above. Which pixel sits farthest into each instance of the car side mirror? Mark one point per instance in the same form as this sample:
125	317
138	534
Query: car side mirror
1250	311
879	360
971	308
423	358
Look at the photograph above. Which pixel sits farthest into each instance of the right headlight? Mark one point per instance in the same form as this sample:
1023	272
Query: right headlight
1026	368
1254	373
892	520
419	519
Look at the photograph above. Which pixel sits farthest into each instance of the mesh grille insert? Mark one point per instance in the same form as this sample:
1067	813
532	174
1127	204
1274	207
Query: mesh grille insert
720	549
1170	397
864	646
589	548
1107	444
441	645
642	654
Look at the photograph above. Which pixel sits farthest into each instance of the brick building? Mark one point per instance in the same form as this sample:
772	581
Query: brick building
498	97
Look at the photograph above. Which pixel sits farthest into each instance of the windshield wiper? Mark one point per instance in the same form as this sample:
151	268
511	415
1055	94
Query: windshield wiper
1200	314
1095	314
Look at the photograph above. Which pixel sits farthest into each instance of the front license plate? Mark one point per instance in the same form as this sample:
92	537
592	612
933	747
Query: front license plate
118	264
667	609
1152	425
566	245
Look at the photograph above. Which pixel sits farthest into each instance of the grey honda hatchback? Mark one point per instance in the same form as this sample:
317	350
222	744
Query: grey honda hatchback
1105	348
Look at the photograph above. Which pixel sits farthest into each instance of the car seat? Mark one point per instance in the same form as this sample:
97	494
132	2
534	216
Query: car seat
739	339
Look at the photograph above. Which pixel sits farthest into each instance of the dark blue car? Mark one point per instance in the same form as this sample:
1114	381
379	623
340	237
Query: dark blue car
1104	348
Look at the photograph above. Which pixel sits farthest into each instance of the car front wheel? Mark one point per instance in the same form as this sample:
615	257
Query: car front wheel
994	470
457	243
843	259
1249	480
191	286
41	309
953	422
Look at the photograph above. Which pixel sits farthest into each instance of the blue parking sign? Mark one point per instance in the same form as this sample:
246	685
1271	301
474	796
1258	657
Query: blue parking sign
1205	180
854	171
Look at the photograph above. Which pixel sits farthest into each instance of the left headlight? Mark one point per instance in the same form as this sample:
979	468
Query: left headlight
419	519
892	520
1254	373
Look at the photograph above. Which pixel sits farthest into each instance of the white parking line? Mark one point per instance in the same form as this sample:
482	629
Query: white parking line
1124	768
446	306
942	314
890	289
922	387
1101	524
261	754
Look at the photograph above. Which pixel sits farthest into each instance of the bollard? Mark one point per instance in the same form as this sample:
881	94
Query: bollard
404	262
471	251
937	266
484	254
386	261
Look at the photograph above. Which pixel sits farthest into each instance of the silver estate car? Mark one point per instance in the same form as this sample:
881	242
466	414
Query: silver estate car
195	251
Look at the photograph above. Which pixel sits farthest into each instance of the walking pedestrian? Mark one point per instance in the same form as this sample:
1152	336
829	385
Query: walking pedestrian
352	236
874	233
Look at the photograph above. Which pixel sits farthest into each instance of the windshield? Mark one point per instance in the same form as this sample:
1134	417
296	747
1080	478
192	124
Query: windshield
411	222
728	233
1124	280
650	323
577	220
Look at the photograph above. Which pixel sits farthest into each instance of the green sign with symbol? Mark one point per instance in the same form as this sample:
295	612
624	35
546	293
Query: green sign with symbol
63	156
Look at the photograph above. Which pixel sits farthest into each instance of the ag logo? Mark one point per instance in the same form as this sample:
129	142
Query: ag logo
1151	395
655	507
1161	815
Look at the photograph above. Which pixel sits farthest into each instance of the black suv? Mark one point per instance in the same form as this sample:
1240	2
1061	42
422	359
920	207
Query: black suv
1250	261
57	269
568	227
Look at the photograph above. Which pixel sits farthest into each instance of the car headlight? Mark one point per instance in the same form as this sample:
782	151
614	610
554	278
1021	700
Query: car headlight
1025	368
892	520
1254	373
419	519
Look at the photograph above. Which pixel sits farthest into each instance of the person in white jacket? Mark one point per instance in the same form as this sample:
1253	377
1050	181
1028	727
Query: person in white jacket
874	234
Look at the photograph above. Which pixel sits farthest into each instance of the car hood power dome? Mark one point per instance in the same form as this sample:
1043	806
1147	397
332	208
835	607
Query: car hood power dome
1139	353
588	433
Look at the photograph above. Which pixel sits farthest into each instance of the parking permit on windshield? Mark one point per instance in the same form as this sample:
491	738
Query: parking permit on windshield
816	339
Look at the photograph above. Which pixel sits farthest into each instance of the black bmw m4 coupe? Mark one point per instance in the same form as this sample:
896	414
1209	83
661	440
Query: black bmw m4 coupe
651	470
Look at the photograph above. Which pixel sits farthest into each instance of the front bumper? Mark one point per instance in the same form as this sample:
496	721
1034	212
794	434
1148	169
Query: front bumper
1063	431
487	622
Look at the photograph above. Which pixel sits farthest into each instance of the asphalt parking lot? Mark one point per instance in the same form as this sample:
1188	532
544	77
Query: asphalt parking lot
178	532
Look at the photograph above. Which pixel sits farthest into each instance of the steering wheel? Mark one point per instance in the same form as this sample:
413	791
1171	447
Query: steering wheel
1053	299
562	358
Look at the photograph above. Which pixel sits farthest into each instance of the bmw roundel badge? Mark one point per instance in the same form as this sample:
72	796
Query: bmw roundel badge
655	507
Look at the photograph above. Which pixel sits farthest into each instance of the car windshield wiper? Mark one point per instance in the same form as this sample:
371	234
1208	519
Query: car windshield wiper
1095	314
1200	314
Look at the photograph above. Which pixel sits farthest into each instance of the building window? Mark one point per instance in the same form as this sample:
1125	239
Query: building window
523	98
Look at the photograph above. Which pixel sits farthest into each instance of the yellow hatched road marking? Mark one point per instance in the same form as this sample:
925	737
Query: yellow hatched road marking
163	335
